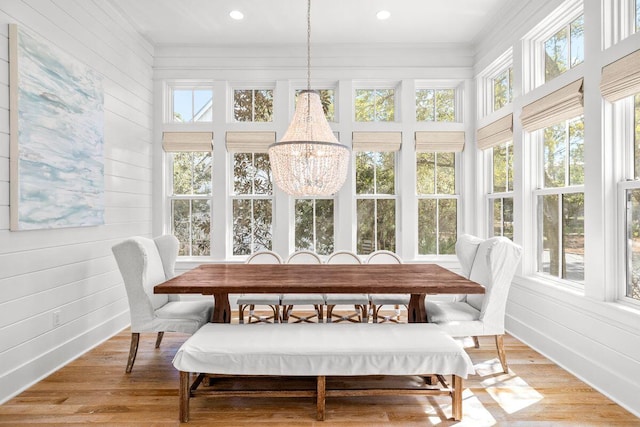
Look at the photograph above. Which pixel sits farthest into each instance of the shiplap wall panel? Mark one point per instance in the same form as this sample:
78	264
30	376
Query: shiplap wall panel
29	306
40	281
25	351
72	271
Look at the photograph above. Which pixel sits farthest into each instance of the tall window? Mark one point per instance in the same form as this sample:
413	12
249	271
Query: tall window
560	201
191	105
637	16
435	105
501	195
437	203
191	202
565	49
375	201
252	203
253	105
314	225
375	105
633	212
502	87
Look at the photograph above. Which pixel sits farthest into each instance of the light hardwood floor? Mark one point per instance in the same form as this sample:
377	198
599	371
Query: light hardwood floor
94	389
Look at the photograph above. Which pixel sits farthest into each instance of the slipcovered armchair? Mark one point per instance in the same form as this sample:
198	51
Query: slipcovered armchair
144	263
492	263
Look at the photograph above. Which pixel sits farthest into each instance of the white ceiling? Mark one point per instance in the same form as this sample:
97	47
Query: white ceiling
207	22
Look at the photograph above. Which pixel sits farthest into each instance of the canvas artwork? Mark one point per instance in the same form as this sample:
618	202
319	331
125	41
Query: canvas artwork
57	137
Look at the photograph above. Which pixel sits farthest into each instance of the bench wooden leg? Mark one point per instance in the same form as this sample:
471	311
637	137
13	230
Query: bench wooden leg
159	339
321	395
456	397
184	393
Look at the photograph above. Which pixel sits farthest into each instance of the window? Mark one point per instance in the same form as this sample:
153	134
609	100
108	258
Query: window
637	16
252	203
502	86
501	194
375	202
565	49
560	201
253	105
437	202
435	105
327	98
191	202
191	105
375	105
632	199
314	225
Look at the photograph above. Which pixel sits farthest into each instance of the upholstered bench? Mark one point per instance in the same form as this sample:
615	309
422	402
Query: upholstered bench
321	350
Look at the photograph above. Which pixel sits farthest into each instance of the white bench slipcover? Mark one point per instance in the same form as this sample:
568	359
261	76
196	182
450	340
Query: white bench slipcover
322	350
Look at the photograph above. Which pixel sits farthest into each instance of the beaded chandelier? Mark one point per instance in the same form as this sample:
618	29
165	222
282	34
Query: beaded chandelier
309	160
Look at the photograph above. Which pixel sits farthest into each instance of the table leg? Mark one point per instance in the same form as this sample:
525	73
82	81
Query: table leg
417	312
221	309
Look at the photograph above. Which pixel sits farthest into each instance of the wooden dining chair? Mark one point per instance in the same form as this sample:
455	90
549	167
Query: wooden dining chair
360	302
377	301
289	301
269	300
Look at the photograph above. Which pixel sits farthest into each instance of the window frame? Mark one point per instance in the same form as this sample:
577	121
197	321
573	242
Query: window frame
533	43
485	96
234	196
377	85
437	196
375	196
168	111
230	114
537	137
170	197
624	135
491	195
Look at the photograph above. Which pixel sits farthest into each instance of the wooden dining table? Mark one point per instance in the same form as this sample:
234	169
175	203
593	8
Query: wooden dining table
220	280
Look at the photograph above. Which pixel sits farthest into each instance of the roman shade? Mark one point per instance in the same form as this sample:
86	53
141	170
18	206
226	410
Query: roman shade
249	142
377	141
440	141
621	78
565	103
187	141
496	133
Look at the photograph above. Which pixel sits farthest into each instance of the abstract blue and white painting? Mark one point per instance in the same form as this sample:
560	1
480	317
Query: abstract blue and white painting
60	137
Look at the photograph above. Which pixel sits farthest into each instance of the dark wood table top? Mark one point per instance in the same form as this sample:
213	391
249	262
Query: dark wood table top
210	279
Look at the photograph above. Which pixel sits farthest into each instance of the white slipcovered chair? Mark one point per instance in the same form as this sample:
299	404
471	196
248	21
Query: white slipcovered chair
377	301
144	263
492	263
251	300
291	300
359	301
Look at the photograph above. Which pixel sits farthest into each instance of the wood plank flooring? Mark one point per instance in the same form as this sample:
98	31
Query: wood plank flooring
94	389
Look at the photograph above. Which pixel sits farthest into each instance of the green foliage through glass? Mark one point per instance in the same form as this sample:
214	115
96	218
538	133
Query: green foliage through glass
375	105
435	105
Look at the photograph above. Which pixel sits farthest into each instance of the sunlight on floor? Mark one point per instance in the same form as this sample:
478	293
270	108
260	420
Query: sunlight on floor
473	412
511	392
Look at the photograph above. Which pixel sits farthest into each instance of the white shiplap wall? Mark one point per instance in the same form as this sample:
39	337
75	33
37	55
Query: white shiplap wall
72	271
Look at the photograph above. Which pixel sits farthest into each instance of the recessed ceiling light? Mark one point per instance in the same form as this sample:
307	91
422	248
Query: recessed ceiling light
236	14
383	14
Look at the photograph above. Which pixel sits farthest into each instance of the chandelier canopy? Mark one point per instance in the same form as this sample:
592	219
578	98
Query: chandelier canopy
309	160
